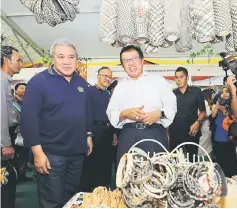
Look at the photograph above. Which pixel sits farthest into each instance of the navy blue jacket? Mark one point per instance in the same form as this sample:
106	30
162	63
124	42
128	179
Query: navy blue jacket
100	101
56	114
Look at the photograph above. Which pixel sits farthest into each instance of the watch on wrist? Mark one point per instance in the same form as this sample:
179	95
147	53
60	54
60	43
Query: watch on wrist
90	134
162	115
200	122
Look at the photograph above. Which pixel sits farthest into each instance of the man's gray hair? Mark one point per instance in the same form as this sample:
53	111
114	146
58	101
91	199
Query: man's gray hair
62	42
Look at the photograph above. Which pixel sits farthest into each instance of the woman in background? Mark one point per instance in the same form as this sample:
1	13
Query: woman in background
205	139
224	149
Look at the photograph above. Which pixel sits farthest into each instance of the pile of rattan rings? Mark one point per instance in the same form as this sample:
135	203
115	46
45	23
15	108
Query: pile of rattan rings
167	179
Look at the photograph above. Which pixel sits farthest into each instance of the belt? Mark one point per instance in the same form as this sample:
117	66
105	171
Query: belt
103	123
141	125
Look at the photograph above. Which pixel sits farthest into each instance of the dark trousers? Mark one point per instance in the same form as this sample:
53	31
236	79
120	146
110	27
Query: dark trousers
63	181
97	168
129	136
8	191
225	153
21	160
177	137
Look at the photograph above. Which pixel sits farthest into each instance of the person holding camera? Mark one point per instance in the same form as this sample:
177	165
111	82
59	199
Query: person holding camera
224	149
231	84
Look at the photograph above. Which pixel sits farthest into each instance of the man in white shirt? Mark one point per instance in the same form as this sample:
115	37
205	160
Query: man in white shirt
142	105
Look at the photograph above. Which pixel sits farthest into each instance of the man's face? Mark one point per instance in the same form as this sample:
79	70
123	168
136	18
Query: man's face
132	63
104	78
14	64
65	60
21	90
181	79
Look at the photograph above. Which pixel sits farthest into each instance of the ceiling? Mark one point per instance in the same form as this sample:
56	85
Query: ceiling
83	31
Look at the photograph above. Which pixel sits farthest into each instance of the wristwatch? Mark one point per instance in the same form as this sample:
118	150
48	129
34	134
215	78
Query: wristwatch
162	115
200	122
90	134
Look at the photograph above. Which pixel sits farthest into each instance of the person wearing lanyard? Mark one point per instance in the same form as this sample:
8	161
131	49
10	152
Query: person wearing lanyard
142	105
98	166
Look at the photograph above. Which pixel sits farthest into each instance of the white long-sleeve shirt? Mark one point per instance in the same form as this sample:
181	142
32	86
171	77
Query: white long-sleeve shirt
151	91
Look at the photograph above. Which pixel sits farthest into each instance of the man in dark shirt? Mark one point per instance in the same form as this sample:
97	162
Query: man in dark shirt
190	113
55	121
97	167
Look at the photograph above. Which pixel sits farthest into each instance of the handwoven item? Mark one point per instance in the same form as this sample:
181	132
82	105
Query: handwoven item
222	17
233	11
185	42
156	23
149	49
141	11
108	21
229	43
53	12
126	22
172	19
202	20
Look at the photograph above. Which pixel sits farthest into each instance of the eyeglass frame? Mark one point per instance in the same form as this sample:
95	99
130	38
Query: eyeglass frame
106	76
134	59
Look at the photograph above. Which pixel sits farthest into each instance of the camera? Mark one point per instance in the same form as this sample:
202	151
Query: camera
222	101
228	62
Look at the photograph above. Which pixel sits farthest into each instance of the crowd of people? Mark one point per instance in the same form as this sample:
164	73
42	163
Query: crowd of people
76	131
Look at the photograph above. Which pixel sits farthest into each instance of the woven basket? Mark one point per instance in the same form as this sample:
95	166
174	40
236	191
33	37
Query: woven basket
108	21
156	24
222	17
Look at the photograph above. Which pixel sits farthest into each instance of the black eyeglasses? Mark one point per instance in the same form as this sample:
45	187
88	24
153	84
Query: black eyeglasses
134	59
106	76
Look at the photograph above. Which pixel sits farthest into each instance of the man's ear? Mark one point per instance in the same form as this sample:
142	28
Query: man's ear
5	60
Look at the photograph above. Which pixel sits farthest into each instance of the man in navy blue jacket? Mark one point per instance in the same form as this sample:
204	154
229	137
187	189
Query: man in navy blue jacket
55	121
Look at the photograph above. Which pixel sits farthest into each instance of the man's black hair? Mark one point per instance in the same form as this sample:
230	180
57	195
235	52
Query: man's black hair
6	51
102	68
19	84
182	69
130	48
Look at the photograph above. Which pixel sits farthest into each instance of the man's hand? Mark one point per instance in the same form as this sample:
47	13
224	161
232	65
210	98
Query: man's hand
89	145
115	140
8	151
41	162
230	84
150	118
133	113
194	129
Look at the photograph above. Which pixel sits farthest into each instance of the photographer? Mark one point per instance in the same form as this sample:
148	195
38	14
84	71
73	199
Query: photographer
224	149
231	81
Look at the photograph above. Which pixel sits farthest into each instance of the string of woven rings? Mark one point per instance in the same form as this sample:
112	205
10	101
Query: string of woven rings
168	179
52	12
